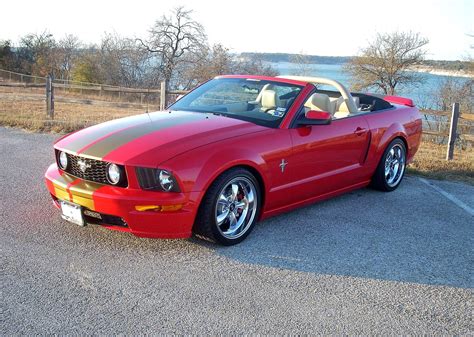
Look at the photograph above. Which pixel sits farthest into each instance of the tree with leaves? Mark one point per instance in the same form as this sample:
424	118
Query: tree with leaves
386	62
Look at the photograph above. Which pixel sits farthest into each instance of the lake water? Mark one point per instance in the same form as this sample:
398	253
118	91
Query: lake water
424	94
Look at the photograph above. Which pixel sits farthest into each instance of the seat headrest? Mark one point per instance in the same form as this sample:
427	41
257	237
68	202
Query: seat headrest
269	99
341	104
319	102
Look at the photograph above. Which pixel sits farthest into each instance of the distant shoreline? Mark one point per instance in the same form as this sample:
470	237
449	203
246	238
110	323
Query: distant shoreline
417	69
441	72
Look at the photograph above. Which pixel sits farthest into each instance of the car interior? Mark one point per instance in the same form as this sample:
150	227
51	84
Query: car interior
336	105
268	103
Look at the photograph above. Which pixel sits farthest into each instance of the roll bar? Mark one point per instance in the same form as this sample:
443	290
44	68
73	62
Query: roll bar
338	85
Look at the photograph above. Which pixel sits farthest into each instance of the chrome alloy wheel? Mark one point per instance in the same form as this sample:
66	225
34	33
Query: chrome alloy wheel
236	207
394	165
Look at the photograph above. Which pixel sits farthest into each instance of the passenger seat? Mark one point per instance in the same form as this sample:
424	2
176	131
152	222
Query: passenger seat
319	102
342	110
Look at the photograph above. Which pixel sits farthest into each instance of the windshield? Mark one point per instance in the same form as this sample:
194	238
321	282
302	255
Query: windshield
261	102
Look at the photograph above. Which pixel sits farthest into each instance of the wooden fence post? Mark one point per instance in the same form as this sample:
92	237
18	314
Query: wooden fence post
49	97
453	131
163	96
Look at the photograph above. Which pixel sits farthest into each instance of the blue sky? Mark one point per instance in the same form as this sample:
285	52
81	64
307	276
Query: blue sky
308	26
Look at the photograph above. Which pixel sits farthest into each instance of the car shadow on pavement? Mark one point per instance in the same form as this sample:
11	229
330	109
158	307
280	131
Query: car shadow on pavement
410	235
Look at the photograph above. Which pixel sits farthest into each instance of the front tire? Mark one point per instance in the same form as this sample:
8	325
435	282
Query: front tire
391	168
230	208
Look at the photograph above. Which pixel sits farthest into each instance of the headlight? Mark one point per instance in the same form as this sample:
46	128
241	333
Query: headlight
166	180
157	179
62	160
113	174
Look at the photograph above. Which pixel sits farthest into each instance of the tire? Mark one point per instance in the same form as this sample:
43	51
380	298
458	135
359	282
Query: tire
229	209
391	168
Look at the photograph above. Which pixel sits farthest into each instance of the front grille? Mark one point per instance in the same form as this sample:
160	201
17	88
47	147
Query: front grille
95	170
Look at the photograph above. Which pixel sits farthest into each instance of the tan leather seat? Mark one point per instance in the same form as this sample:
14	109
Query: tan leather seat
319	102
342	110
268	100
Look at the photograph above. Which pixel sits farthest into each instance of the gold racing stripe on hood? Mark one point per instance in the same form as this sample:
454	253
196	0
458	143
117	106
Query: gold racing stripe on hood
115	140
75	142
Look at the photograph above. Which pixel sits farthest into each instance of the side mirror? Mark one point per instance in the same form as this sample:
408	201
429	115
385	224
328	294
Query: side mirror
313	117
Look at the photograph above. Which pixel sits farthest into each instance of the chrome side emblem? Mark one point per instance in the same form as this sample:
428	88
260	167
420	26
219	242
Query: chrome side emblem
83	166
283	165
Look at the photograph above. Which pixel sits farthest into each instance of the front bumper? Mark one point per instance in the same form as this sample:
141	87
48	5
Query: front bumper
121	203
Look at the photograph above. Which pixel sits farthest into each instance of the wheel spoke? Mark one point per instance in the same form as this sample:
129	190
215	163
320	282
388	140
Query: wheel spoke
221	217
399	153
232	223
391	176
395	168
222	201
241	204
392	153
235	190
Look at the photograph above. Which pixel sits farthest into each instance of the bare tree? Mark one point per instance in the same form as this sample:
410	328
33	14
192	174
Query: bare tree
386	63
66	54
203	65
7	55
253	66
456	90
171	39
470	58
122	62
36	53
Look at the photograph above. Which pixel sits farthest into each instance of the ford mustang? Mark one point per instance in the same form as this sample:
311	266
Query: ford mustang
233	151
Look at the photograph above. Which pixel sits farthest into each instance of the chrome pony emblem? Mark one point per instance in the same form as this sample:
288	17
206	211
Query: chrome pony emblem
283	165
83	166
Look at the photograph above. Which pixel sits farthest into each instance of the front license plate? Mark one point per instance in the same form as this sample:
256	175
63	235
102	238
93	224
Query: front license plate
72	213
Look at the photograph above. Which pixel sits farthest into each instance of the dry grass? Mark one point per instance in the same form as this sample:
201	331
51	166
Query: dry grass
430	161
26	108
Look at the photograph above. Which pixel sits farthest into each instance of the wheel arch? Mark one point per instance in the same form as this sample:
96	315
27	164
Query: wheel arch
395	131
249	166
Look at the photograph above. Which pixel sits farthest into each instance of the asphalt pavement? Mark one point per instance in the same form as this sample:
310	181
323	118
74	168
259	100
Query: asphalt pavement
364	263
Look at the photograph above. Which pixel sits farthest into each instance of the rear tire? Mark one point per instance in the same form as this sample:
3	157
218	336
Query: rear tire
391	168
229	209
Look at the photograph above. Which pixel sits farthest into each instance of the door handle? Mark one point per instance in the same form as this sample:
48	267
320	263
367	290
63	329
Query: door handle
360	131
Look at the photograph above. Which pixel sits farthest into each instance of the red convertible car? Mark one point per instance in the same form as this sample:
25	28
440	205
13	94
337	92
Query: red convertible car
234	150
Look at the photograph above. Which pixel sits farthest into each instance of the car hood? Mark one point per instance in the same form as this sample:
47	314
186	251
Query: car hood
149	139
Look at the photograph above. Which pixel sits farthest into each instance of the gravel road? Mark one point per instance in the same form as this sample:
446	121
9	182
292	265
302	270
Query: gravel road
364	263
